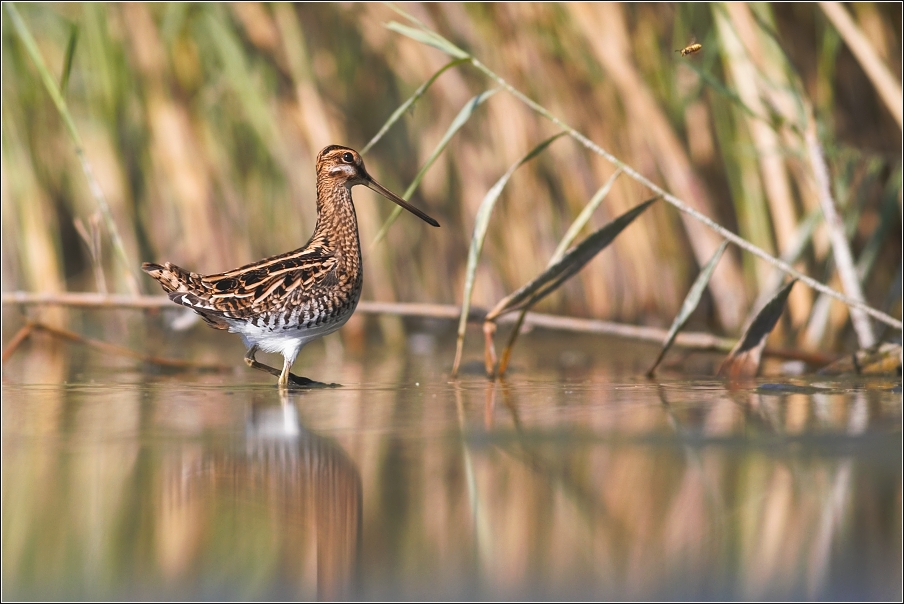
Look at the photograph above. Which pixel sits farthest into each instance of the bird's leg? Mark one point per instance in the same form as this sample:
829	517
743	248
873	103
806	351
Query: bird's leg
284	376
251	362
249	356
286	379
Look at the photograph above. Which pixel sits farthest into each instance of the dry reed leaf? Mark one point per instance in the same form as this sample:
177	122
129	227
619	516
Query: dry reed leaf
884	358
744	359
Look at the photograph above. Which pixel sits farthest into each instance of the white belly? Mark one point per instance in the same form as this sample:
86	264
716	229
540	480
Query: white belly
286	342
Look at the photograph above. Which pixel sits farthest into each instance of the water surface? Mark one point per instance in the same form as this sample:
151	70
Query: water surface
574	479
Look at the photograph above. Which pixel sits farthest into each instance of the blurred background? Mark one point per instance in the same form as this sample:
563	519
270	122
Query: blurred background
201	123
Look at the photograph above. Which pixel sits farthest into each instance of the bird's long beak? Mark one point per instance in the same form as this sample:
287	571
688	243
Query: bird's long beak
370	183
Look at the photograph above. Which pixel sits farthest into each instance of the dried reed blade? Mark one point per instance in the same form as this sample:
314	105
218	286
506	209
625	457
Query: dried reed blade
841	249
888	88
744	358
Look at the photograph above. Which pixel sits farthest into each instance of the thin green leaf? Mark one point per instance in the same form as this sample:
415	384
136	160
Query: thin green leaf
67	62
397	114
238	76
690	303
794	249
481	223
583	218
463	116
429	38
408	16
571	263
96	191
173	20
744	358
579	223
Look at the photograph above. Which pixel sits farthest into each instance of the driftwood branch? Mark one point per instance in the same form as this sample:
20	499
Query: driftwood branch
697	341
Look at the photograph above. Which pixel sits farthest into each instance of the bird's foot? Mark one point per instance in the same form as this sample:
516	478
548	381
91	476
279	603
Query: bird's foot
293	382
297	382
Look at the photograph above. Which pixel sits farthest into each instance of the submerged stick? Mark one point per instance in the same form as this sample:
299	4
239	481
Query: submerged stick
105	347
20	337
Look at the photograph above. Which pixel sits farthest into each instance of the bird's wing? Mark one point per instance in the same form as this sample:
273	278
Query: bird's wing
253	289
269	284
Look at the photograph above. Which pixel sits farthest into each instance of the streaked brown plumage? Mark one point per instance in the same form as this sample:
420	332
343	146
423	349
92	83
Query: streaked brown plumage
281	303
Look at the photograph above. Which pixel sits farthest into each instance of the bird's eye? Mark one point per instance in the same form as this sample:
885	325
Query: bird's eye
348	158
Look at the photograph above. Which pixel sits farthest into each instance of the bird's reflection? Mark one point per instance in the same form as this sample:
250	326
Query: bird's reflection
308	485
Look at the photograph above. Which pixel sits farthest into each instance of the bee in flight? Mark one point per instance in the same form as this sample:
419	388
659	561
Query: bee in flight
690	49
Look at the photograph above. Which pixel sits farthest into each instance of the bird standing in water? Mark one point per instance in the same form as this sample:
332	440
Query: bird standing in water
281	303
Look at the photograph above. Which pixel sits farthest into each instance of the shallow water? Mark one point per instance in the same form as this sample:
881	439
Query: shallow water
573	479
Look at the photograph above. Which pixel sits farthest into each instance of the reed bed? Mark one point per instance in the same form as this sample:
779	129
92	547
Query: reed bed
188	133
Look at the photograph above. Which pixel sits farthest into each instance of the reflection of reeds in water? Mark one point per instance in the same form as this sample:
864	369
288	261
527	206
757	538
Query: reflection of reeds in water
307	481
590	488
711	511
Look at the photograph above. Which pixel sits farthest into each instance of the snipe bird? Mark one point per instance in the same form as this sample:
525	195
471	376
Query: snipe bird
281	303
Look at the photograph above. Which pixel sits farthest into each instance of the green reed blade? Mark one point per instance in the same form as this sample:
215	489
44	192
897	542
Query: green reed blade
238	76
32	48
67	61
571	263
690	304
583	218
463	116
481	223
397	114
570	235
429	38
